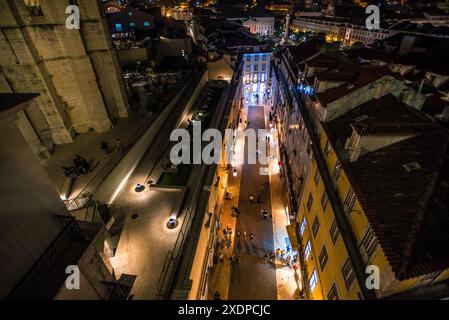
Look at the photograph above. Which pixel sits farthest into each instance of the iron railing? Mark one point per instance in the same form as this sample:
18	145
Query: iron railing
45	277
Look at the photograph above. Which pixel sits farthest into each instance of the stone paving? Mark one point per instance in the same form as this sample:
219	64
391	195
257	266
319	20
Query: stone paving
253	278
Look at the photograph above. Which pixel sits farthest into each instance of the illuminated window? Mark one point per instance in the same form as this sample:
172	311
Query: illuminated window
118	26
307	250
132	24
313	281
303	226
146	23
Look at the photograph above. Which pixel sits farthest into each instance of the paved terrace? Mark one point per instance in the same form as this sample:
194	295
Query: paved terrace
145	239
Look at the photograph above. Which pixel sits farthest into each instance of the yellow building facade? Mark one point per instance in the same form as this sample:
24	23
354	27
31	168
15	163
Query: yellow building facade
330	273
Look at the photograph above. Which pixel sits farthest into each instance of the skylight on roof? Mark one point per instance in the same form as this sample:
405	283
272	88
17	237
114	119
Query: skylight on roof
412	166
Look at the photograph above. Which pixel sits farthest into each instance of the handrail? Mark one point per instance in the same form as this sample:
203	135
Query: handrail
31	281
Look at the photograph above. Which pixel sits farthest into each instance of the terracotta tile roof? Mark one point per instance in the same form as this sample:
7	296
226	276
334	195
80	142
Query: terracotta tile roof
434	104
305	50
408	210
322	61
361	78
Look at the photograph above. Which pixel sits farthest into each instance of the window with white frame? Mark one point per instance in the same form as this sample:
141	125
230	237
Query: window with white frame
333	293
323	257
315	226
369	243
336	172
317	176
334	231
349	201
302	228
324	200
348	274
313	281
307	250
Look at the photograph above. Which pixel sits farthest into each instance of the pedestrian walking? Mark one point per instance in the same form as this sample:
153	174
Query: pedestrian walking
244	235
272	257
251	236
217	295
237	260
265	257
238	235
278	251
225	233
258	198
251	199
221	257
118	145
228	243
282	253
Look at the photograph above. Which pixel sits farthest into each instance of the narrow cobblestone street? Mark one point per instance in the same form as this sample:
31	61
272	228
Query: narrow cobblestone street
253	277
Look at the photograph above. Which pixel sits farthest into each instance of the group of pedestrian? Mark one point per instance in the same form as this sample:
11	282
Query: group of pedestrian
264	214
255	200
80	166
245	235
269	257
235	211
104	146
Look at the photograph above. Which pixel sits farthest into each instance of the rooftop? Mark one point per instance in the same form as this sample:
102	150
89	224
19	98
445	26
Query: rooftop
408	209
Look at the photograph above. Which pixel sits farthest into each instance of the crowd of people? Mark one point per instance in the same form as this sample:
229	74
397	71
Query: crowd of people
80	166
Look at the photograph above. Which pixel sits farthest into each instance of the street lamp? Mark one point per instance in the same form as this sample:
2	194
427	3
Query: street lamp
172	223
139	188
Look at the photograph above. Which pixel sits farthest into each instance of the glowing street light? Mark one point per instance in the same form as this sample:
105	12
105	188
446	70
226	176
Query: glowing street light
139	187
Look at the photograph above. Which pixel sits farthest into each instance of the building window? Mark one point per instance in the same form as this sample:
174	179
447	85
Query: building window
315	226
264	67
349	201
317	176
256	68
146	24
248	58
256	58
333	293
309	201
34	8
313	281
130	13
264	57
335	232
369	243
348	274
307	250
327	148
118	27
323	257
132	24
324	200
248	68
302	228
336	172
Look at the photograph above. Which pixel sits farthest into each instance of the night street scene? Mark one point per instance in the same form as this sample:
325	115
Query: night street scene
224	150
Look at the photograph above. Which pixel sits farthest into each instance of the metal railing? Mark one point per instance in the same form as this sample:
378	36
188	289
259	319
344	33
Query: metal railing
79	202
41	281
